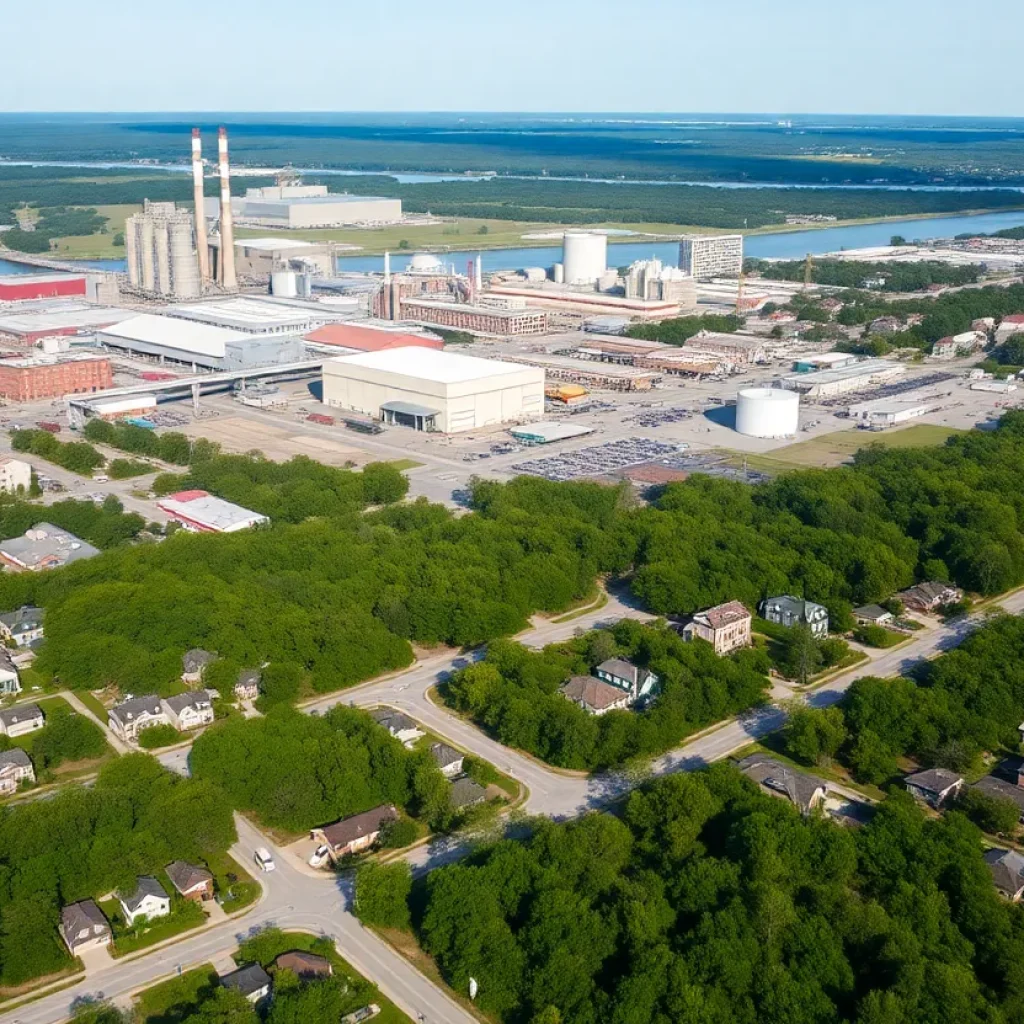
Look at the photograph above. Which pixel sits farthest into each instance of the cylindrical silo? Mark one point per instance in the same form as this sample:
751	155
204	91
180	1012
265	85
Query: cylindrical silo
767	412
184	265
558	274
283	283
584	256
147	258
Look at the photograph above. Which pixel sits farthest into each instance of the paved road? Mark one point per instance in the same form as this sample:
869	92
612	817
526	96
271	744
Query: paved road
291	900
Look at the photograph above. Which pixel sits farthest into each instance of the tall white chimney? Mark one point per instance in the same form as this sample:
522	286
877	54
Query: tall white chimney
227	231
387	268
479	268
202	246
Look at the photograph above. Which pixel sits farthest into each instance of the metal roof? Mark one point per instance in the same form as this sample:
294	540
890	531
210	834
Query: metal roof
212	513
171	332
410	409
550	430
428	364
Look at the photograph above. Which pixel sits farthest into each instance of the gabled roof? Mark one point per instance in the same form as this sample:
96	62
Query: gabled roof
934	780
928	591
21	713
196	658
199	700
797	606
345	831
1007	867
465	792
146	885
15	757
24	618
247	980
185	876
1001	790
128	710
445	755
594	693
304	964
393	721
722	615
798	786
871	611
6	661
249	677
621	668
84	914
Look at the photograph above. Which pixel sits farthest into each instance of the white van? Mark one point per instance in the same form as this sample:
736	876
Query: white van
263	859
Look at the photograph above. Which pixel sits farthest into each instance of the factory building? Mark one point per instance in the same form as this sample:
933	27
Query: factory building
475	319
652	281
23	287
767	412
433	391
259	314
737	349
61	319
824	361
198	345
569	371
201	512
27	380
310	206
844	379
584	257
161	252
359	338
888	412
113	409
587	303
706	256
260	257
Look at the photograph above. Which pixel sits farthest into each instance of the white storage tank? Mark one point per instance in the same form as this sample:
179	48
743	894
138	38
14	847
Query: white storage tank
558	274
584	256
283	283
767	412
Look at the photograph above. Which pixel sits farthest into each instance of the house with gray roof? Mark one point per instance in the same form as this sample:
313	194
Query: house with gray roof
43	547
448	759
638	682
247	686
132	716
148	899
194	663
251	981
1007	867
1000	789
873	615
400	725
803	791
929	596
465	793
15	768
23	627
10	683
934	787
20	719
190	710
83	927
787	610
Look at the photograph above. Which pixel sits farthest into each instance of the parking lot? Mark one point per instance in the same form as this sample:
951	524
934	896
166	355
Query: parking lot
598	460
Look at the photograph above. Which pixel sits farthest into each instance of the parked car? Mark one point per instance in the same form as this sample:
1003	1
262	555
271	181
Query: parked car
319	857
264	859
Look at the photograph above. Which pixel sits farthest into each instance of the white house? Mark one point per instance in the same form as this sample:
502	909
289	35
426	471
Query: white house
20	719
401	726
188	710
83	927
15	768
791	611
193	664
15	475
131	717
9	682
251	981
148	900
448	759
22	627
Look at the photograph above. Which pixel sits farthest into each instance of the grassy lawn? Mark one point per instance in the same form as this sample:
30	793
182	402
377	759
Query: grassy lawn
93	703
184	916
233	885
839	447
99	246
172	1001
31	678
404	464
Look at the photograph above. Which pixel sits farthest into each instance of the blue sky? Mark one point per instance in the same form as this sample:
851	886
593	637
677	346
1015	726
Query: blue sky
873	56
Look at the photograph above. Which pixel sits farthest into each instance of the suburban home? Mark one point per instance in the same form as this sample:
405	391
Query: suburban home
791	611
9	681
188	710
132	716
637	682
354	834
465	793
1007	867
594	695
251	980
928	597
149	899
192	882
448	759
193	664
726	627
935	787
1002	790
20	719
15	475
1009	326
43	547
401	726
248	685
15	768
23	627
83	927
307	966
873	615
805	792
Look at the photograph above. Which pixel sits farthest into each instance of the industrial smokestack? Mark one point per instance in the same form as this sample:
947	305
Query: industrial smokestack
479	282
227	232
387	268
202	246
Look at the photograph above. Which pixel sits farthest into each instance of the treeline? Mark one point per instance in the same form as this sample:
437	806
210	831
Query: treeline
896	276
513	693
171	446
84	842
67	736
679	330
53	222
104	526
76	456
709	901
298	771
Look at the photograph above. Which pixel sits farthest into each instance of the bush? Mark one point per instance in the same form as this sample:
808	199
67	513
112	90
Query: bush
122	469
382	895
399	834
67	737
998	815
876	636
159	736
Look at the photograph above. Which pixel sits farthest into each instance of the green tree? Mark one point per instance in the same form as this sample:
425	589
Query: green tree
801	656
382	894
814	735
997	815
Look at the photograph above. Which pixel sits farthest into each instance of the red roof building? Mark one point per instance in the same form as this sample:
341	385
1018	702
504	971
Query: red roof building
369	339
18	287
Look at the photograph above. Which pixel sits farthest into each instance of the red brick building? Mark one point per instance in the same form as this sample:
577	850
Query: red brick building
25	380
19	287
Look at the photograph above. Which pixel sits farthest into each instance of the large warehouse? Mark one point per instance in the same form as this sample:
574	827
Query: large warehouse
435	391
844	379
308	206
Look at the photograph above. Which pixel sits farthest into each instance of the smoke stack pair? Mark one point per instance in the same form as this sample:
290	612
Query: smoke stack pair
226	263
202	245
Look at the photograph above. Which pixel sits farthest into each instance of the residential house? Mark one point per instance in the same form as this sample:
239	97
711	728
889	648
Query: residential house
885	325
1002	790
401	726
448	759
15	475
9	681
15	768
959	344
132	716
873	615
1007	867
639	683
465	793
192	882
20	719
43	547
23	627
247	686
789	611
148	899
194	663
83	927
805	792
251	980
935	787
307	966
188	710
354	834
1009	326
930	596
726	627
594	695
